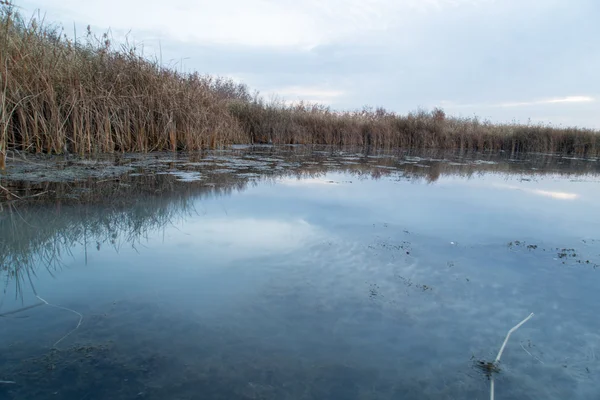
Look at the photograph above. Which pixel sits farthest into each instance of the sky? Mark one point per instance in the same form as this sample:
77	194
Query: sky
503	60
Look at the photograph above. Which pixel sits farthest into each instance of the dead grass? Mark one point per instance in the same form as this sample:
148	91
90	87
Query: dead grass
315	124
84	95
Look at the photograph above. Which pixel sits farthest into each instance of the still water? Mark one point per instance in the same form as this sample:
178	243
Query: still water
276	275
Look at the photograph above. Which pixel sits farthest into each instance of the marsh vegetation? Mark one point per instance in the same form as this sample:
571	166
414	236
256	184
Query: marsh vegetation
84	94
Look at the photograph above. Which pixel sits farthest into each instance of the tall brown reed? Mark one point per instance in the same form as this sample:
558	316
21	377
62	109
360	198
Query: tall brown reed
85	95
317	124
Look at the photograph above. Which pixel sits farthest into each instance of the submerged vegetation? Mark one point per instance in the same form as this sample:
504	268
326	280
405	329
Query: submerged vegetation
85	95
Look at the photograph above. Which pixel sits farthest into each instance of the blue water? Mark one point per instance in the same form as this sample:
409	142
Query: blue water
330	286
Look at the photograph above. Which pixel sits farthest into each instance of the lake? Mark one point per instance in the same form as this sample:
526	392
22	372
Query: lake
295	273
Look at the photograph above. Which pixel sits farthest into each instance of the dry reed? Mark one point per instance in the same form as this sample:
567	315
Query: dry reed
66	309
85	95
302	123
497	360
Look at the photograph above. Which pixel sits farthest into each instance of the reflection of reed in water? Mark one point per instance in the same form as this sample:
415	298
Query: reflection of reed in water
44	235
107	176
39	235
42	231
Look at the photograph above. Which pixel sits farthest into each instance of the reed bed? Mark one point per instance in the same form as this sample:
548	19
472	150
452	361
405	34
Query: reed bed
303	123
86	95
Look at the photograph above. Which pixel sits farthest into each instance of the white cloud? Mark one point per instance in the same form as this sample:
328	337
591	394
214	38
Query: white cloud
553	194
308	94
300	91
260	23
568	99
399	54
555	100
248	236
306	182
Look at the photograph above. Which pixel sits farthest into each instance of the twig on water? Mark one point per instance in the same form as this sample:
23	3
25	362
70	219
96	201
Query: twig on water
514	328
37	195
43	302
9	192
67	309
6	314
524	349
497	360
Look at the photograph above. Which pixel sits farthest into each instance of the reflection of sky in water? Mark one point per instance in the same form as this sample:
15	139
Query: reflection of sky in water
396	281
235	237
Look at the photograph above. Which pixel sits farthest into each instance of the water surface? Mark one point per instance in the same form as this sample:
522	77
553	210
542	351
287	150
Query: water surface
261	274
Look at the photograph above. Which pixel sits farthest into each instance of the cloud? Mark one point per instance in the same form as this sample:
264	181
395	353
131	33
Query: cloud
295	94
301	24
307	91
568	99
554	195
540	192
249	236
306	182
398	54
556	100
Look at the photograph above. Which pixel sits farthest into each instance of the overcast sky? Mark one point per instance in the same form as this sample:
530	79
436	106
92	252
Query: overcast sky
499	59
